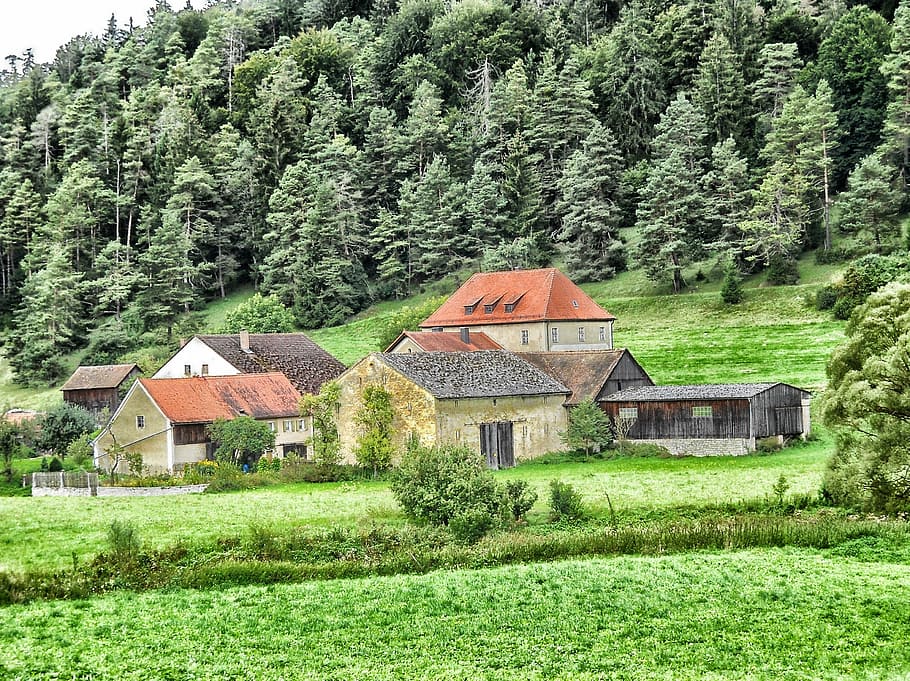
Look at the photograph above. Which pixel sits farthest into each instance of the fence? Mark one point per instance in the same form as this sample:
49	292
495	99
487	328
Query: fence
65	484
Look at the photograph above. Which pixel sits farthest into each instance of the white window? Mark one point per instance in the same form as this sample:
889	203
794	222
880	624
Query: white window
288	426
581	334
554	335
301	425
525	337
272	426
140	422
187	369
702	412
603	333
205	370
628	413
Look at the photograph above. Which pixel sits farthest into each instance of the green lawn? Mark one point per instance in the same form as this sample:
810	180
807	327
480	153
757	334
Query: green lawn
761	614
47	531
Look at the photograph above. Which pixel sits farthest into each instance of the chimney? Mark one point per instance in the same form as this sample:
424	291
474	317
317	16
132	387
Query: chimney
465	335
245	341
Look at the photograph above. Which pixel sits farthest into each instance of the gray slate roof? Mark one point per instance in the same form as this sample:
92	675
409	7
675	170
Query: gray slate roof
488	373
669	393
305	364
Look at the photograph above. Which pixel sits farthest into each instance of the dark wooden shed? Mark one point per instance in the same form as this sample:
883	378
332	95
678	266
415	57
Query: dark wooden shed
97	388
740	411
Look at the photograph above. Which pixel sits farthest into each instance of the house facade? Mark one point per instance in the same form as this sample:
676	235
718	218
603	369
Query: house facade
490	401
526	311
305	364
166	420
710	419
98	389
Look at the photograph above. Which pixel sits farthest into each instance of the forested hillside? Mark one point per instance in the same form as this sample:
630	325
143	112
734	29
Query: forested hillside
338	152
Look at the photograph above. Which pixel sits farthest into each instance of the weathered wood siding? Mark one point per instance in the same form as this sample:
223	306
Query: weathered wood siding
777	411
673	419
626	374
94	400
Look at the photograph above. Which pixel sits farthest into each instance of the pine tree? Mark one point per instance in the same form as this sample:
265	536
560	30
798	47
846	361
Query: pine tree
777	223
587	208
779	64
896	68
726	187
719	89
871	204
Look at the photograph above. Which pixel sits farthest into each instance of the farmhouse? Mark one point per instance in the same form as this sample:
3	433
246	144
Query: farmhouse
305	364
710	419
590	375
526	311
426	341
98	388
491	401
166	419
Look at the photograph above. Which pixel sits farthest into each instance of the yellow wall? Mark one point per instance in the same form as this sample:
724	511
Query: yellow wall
150	441
539	336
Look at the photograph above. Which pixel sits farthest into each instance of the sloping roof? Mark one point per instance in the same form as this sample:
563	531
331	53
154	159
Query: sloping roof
532	295
583	372
670	393
102	376
486	373
202	399
429	341
306	364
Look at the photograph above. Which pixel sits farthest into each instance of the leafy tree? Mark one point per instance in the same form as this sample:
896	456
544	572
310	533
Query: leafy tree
868	404
407	318
9	447
61	425
259	314
589	427
241	440
374	448
321	409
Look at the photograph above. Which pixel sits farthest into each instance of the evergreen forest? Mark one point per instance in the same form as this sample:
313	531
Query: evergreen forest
338	152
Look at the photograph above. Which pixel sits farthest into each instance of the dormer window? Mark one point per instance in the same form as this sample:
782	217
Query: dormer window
509	307
488	309
469	309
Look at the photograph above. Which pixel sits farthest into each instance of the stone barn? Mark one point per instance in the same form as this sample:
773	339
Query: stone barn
710	419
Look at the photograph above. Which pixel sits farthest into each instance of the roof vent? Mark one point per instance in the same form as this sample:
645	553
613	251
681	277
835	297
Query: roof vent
245	342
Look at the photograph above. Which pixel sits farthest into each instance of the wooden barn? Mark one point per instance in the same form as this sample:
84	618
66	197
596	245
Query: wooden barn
710	419
97	388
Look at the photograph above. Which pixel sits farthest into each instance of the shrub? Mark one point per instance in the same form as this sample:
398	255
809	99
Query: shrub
63	424
438	484
520	498
565	503
732	290
783	271
123	542
55	465
825	298
79	450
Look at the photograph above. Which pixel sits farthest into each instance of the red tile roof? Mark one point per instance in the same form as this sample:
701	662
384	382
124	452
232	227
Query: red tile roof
429	341
202	399
531	295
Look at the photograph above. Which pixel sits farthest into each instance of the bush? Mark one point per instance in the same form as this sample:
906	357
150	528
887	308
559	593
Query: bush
63	424
436	485
520	498
783	271
732	290
825	298
55	465
565	503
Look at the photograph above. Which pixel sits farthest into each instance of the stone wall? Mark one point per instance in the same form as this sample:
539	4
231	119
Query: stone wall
705	447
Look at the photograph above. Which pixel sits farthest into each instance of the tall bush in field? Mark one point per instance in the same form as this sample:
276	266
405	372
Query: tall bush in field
374	445
242	439
589	427
321	408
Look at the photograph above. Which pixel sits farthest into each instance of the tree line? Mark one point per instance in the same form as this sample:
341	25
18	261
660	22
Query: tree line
335	153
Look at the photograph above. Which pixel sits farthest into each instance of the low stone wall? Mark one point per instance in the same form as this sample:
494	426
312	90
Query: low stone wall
150	491
86	485
705	447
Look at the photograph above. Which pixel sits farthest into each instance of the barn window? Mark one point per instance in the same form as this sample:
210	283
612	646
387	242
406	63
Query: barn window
603	333
554	335
205	369
140	422
187	369
581	334
702	412
525	337
628	413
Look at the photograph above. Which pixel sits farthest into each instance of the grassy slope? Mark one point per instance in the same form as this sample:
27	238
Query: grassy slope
775	614
636	487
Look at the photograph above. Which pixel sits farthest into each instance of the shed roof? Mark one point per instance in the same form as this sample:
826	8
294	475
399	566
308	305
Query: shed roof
306	364
486	373
429	341
584	372
670	393
101	376
531	295
202	399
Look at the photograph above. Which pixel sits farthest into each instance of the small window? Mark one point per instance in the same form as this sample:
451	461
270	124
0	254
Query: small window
469	309
509	307
702	412
301	425
628	413
554	335
288	426
205	370
581	334
187	369
140	422
272	426
488	309
575	304
525	337
603	333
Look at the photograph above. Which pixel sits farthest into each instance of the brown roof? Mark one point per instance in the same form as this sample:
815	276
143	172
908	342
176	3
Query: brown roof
583	372
306	364
516	296
202	399
430	341
104	376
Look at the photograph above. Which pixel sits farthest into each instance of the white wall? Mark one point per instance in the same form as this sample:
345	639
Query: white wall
196	353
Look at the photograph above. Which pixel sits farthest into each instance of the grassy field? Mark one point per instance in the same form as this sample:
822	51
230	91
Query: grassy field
636	487
770	614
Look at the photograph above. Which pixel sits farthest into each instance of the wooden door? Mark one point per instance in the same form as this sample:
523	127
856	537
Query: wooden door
497	444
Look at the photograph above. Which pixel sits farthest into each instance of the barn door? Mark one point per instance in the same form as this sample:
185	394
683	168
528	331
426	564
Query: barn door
497	444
